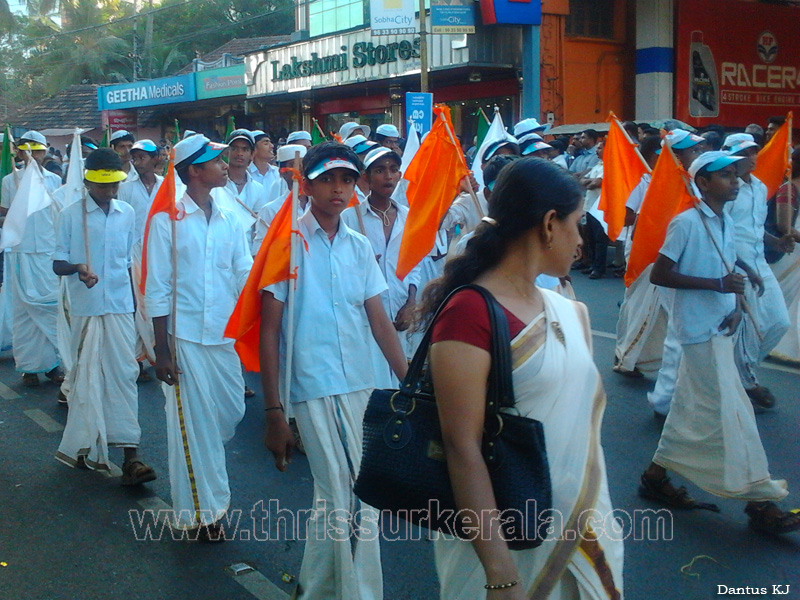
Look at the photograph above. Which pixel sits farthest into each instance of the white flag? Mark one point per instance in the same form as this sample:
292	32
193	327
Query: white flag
497	131
32	196
73	189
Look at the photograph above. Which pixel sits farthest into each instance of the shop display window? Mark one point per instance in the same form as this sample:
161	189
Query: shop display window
330	16
591	19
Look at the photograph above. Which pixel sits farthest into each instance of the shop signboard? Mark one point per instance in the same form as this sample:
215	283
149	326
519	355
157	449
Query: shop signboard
167	90
392	17
120	119
419	110
452	16
342	59
219	83
736	63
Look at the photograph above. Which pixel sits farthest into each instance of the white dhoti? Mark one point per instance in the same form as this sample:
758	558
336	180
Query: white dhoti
337	563
34	296
787	273
641	327
661	396
64	335
710	435
6	310
212	403
771	321
145	337
103	399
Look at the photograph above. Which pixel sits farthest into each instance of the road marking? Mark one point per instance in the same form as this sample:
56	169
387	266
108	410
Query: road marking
764	364
258	585
44	421
6	393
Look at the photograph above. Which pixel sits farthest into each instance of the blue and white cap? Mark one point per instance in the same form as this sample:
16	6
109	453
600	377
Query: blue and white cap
145	146
329	164
736	142
241	134
195	150
712	161
378	153
492	148
296	136
120	134
347	129
680	139
527	126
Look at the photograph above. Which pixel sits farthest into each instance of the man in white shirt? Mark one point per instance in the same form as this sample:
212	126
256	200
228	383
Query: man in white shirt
755	339
383	222
262	169
139	193
94	242
213	263
337	299
596	237
710	434
29	274
121	142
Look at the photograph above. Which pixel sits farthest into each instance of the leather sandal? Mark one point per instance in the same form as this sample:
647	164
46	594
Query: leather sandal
678	498
767	517
136	472
30	379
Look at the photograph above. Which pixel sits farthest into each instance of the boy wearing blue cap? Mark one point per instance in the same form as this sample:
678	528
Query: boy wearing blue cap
213	262
338	299
710	434
103	402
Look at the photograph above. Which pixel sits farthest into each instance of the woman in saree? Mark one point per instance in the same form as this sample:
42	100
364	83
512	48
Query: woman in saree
782	223
532	228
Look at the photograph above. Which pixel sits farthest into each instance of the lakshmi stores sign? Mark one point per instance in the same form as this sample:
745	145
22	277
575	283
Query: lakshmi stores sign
363	54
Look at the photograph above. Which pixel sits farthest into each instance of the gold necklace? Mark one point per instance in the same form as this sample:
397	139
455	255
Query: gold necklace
516	287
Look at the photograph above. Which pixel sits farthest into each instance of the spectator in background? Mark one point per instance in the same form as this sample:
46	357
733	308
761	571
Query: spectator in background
773	124
632	130
557	154
713	141
586	157
757	131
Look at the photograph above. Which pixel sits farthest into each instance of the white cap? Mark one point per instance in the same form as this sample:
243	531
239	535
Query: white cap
120	133
736	142
195	150
241	134
297	136
145	146
680	139
346	130
188	133
388	130
32	140
287	152
527	126
378	153
713	161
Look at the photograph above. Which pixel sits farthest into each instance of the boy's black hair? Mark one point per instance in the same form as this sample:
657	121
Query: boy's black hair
125	138
326	150
632	129
559	144
394	155
183	174
777	120
87	141
103	159
492	169
714	139
649	146
592	134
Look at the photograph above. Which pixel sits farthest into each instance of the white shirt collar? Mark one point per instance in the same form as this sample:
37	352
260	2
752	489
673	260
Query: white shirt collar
309	221
92	206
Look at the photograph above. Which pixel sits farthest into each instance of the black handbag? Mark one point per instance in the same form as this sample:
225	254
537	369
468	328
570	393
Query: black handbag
403	468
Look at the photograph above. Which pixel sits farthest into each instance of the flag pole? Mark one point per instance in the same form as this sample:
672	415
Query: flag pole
290	300
463	160
728	267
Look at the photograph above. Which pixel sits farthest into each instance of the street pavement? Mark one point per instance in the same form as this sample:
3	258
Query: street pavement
72	534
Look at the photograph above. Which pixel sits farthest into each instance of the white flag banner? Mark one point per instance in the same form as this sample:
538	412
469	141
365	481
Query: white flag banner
497	131
73	189
412	145
32	196
392	17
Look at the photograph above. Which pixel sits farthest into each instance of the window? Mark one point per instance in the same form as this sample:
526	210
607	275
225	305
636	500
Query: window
591	18
329	16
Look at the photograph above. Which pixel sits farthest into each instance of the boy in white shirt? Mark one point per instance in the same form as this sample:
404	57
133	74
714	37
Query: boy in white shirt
710	434
383	224
213	263
338	296
103	399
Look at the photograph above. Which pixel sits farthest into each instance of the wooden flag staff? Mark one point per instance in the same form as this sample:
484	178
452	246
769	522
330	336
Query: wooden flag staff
290	300
472	193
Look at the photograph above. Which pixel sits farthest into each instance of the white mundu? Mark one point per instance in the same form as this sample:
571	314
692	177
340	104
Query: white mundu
32	284
749	212
103	398
387	253
557	383
710	435
213	265
787	272
331	384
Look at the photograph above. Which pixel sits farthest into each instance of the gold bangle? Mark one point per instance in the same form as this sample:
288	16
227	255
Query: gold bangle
501	586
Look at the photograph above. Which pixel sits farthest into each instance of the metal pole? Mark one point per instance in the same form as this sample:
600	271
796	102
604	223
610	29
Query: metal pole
530	73
423	48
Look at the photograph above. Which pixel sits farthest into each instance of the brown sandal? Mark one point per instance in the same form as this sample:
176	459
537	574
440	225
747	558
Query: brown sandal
679	498
767	517
136	472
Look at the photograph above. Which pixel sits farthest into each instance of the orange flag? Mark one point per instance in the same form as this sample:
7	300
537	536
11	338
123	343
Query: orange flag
667	195
772	164
433	178
271	265
163	202
623	168
353	201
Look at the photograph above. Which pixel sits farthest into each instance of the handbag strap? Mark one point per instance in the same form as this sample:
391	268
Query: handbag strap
501	388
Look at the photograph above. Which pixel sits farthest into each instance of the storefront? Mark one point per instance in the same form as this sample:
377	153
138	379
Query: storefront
355	75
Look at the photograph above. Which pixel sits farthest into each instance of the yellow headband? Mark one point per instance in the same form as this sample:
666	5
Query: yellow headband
30	146
104	176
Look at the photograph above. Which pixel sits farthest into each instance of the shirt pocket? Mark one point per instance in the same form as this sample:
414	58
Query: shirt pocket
223	255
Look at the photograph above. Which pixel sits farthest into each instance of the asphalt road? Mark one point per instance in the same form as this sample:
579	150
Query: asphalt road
70	534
